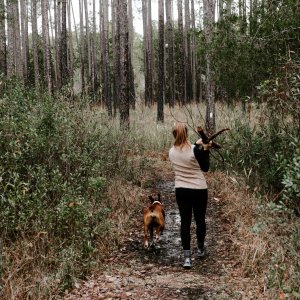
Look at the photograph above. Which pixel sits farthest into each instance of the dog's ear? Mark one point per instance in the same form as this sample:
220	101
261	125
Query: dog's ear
151	199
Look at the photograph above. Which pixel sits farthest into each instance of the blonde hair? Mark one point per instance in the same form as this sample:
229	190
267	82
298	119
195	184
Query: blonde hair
180	134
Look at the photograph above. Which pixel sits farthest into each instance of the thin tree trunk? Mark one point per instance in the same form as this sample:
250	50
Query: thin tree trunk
10	40
131	72
106	66
17	42
3	65
180	62
64	44
34	45
25	45
146	59
161	44
151	73
209	13
47	58
94	42
82	48
71	49
187	52
170	58
57	41
117	57
194	59
88	46
124	99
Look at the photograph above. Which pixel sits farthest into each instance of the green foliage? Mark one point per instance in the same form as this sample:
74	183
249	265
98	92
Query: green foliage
291	177
246	53
55	164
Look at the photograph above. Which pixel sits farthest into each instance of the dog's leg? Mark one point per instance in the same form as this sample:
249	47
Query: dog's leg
151	235
146	241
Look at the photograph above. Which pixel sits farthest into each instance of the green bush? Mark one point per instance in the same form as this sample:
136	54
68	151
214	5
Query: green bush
55	164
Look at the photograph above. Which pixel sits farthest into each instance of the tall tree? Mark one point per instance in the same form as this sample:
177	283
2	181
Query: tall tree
105	58
151	73
170	57
46	46
180	79
24	33
194	58
35	45
63	43
71	48
82	48
124	53
187	51
161	46
209	13
2	39
116	54
146	53
131	72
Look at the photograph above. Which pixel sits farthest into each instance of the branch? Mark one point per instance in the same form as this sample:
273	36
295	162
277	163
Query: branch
206	139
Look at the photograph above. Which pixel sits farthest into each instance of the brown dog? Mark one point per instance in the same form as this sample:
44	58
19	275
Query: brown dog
154	217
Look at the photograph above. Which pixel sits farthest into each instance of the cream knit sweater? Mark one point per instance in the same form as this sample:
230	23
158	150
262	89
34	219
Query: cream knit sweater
187	170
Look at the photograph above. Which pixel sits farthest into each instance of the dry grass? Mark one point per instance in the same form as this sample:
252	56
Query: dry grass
266	236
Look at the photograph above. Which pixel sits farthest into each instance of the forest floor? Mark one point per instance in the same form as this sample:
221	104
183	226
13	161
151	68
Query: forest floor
135	273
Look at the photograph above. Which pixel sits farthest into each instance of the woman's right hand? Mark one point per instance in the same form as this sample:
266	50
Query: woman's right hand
206	147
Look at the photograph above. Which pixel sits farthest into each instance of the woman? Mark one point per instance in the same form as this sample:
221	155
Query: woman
189	162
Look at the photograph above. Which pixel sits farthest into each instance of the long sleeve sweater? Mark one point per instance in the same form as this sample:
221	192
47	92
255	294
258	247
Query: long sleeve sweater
189	164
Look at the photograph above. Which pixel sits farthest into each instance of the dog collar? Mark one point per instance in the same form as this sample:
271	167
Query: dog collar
156	202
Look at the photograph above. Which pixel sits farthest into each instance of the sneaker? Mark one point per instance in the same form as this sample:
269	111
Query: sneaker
201	252
187	263
187	259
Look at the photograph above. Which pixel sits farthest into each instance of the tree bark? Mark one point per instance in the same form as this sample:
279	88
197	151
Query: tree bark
3	65
180	82
161	46
64	44
47	55
209	13
170	58
25	43
187	53
124	45
34	45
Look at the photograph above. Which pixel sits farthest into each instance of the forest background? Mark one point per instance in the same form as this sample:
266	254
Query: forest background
80	96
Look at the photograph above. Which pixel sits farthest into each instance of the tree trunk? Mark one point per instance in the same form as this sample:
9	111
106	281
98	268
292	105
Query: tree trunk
151	73
194	59
209	13
105	63
63	43
131	72
71	50
187	53
180	61
170	58
87	43
3	66
124	45
25	43
161	46
82	48
34	45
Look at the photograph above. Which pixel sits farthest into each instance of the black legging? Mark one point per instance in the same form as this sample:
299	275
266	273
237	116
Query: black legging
192	200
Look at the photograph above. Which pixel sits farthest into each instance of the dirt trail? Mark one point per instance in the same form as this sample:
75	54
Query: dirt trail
135	273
